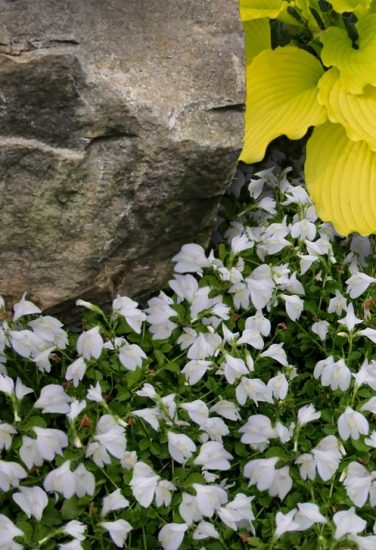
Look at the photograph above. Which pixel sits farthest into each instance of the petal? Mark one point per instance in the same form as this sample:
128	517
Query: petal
341	179
281	98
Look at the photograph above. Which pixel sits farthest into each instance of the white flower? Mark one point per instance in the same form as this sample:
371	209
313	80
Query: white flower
327	457
114	501
303	229
90	344
172	534
369	333
234	368
364	543
27	344
307	515
260	286
72	545
285	523
21	390
352	424
111	435
24	307
118	530
194	370
276	352
227	409
76	371
185	287
307	414
53	399
358	482
209	498
150	415
320	328
205	530
307	466
163	493
188	509
306	260
257	432
50	442
98	454
190	259
32	501
294	306
94	393
75	529
129	310
278	386
337	304
144	483
76	408
261	472
131	356
358	283
334	374
347	522
251	337
7	431
8	530
240	243
129	460
213	456
350	319
29	453
50	329
180	447
85	481
238	513
254	389
205	345
10	475
197	410
61	480
371	441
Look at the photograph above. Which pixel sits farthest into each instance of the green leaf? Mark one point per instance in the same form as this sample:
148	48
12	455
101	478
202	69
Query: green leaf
281	98
259	9
71	508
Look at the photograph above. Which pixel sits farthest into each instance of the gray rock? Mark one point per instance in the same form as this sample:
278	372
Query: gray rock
120	126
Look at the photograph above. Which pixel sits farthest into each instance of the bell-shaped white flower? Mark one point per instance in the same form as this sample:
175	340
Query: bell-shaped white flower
31	500
307	515
76	371
76	408
180	447
254	389
50	329
209	498
321	328
257	432
118	530
24	307
163	492
85	481
213	456
348	522
75	529
61	480
238	513
194	370
7	431
278	386
337	304
205	530
190	259
94	393
53	399
294	306
8	531
307	414
307	466
358	482
350	320
90	344
129	310
50	442
131	356
327	456
215	428
114	501
10	475
188	509
285	523
111	435
198	411
358	283
171	535
335	374
364	543
144	483
352	424
29	452
276	352
261	285
227	409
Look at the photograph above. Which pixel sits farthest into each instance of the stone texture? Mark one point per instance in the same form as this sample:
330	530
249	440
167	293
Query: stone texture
120	126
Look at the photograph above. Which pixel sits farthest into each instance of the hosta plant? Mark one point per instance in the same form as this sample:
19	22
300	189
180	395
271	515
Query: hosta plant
235	410
323	76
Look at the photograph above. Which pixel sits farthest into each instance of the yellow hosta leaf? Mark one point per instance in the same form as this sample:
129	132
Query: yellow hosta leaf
341	179
259	9
281	98
257	38
349	5
356	113
357	67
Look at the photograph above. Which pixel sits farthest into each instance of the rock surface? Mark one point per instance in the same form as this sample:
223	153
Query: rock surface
120	126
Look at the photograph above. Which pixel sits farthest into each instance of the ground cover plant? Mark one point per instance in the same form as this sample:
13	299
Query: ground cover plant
236	410
311	70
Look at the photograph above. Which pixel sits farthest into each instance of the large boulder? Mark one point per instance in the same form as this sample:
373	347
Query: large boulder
120	125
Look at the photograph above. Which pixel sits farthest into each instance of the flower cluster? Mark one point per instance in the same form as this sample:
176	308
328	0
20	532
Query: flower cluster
237	409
